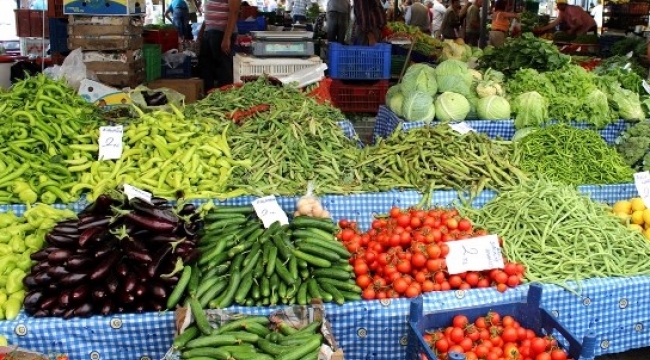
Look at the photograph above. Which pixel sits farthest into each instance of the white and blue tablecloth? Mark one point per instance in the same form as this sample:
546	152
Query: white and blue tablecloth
387	122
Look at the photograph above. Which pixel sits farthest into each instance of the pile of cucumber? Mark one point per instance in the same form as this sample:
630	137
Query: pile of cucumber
243	263
247	338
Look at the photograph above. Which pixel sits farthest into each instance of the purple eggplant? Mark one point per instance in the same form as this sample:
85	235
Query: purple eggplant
107	308
94	233
41	254
140	290
64	298
32	300
80	293
58	311
158	306
158	291
84	310
126	298
68	314
139	307
151	223
112	285
162	239
98	294
42	278
41	313
29	282
158	258
66	229
73	279
59	256
135	251
187	209
103	269
57	272
191	257
140	233
49	302
189	229
101	206
158	201
106	249
79	262
40	266
122	269
130	283
99	221
148	210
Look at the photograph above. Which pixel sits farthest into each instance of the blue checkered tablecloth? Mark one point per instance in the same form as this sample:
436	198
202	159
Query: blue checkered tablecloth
387	121
618	310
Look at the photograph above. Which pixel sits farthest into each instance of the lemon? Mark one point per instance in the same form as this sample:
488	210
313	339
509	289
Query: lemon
622	206
637	217
647	234
624	217
3	341
637	204
635	227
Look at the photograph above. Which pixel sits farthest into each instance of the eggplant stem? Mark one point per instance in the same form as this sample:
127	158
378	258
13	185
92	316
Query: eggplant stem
174	244
121	232
177	268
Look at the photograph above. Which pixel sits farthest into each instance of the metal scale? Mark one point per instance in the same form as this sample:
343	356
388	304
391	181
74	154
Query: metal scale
283	43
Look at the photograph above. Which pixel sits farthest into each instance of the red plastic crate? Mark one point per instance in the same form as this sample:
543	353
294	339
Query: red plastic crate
359	96
167	38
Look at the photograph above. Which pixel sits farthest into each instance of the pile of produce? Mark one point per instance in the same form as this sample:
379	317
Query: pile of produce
623	70
297	140
571	156
530	20
561	235
634	214
119	256
492	336
404	255
437	157
19	238
425	44
458	50
244	263
634	146
248	338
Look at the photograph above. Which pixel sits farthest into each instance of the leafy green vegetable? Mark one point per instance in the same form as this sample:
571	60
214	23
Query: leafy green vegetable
420	77
418	106
453	76
627	103
597	105
531	109
634	145
451	107
633	43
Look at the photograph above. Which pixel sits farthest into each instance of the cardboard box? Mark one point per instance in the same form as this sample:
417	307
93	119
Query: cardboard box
191	88
102	95
101	7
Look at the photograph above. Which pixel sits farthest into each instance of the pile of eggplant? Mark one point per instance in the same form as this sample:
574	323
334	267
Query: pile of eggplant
119	256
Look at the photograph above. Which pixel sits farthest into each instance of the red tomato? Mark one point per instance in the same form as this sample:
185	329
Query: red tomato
444	250
543	356
404	267
347	234
509	334
470	355
403	220
400	285
412	291
472	279
395	212
360	268
344	223
511	352
508	321
428	286
493	318
364	281
442	345
418	260
558	354
460	321
537	346
452	224
481	323
466	344
482	351
369	294
457	335
510	268
455	281
464	225
521	333
513	280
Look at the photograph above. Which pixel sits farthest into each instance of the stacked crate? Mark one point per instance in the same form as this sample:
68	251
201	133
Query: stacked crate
360	76
112	47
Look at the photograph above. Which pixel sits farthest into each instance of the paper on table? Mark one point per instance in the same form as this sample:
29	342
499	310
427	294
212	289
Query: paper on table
476	254
268	209
133	192
461	127
110	142
642	183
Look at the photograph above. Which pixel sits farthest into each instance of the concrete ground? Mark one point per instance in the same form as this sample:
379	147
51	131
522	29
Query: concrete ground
638	354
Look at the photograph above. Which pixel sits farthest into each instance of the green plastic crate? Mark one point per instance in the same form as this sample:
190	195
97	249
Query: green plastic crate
396	64
152	61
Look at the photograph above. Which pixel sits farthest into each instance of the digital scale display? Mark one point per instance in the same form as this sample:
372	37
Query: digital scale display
284	48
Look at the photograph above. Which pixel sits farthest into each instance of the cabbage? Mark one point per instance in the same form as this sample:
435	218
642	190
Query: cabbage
493	108
418	106
420	77
628	104
531	109
493	75
453	76
451	107
395	99
477	52
597	108
487	88
473	105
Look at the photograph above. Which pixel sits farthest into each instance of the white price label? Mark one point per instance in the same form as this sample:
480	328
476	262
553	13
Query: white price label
133	192
642	183
268	209
476	254
646	86
110	142
461	127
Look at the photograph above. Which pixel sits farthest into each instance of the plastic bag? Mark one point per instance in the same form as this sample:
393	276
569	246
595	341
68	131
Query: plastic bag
173	98
173	58
310	205
73	70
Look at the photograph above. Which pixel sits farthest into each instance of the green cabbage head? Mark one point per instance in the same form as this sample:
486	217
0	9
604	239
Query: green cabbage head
451	107
453	76
531	109
493	108
395	99
418	106
420	77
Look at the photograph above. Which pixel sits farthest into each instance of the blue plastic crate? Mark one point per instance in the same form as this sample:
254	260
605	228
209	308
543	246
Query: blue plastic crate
529	314
183	71
359	62
245	27
58	35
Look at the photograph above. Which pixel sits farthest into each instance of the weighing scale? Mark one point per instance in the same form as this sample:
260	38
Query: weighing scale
283	43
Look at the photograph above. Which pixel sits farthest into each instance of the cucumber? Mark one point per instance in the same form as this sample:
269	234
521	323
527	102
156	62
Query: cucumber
271	348
301	296
266	287
210	352
252	263
293	267
243	209
312	260
342	285
320	252
176	295
257	329
244	336
212	292
212	341
244	288
286	329
243	323
301	351
283	249
298	340
181	340
284	274
272	259
313	290
332	290
282	290
350	296
301	222
332	273
335	246
233	286
199	317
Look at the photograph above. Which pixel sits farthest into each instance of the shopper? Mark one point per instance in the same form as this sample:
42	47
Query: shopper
194	7
500	23
270	6
597	13
217	36
369	20
473	23
449	28
418	15
573	19
338	16
179	15
298	10
437	14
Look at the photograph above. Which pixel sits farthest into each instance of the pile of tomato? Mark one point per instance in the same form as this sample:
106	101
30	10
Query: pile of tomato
492	337
403	254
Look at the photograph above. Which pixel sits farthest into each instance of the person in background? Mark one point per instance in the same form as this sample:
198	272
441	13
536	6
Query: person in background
449	29
194	7
597	13
270	6
572	19
179	14
437	13
298	10
473	23
369	20
217	35
500	23
338	16
418	15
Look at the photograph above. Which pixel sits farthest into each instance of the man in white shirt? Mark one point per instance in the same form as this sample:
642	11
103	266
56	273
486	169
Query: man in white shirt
597	13
437	13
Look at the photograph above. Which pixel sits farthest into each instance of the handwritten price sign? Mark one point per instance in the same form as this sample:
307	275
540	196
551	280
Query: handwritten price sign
642	183
268	209
476	254
110	142
461	128
133	192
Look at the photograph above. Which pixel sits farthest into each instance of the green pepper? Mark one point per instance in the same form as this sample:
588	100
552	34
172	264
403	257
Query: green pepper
7	219
28	196
12	308
5	236
7	263
17	244
15	281
24	262
5	249
34	241
3	297
20	295
48	198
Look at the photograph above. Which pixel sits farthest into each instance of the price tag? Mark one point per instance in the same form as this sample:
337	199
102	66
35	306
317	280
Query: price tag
133	192
461	128
646	86
642	183
629	55
110	142
268	209
476	254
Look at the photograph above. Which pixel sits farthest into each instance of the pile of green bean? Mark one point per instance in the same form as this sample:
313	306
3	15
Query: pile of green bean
572	156
296	141
561	235
438	154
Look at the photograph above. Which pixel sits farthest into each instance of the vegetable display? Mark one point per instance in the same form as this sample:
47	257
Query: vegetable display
119	256
424	43
404	255
571	156
244	263
634	146
560	235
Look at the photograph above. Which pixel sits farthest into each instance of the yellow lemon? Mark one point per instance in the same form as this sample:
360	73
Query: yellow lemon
646	216
635	227
624	217
647	234
622	206
637	204
637	217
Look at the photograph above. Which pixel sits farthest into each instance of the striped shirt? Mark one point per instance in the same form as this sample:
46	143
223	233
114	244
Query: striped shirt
299	7
215	13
